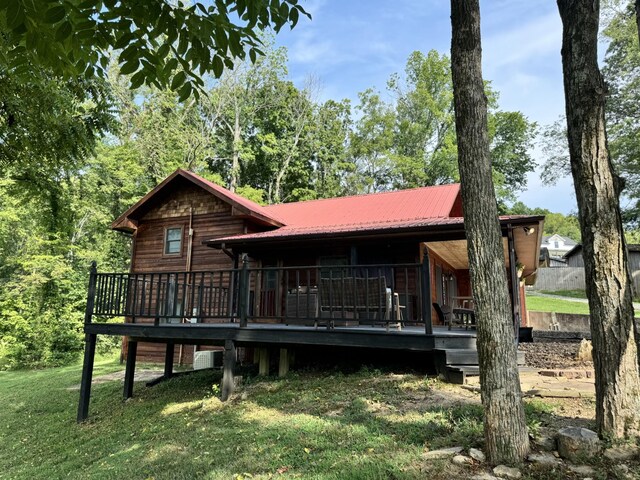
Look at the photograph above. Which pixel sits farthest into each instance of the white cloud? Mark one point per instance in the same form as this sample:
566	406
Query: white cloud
534	39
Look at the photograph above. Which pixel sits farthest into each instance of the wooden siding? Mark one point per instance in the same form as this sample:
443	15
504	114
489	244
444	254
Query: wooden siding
211	218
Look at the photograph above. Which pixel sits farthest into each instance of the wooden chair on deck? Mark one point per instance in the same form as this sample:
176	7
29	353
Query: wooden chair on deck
367	300
444	314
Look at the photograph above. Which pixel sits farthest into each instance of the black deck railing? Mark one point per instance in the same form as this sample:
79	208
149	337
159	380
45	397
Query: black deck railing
308	295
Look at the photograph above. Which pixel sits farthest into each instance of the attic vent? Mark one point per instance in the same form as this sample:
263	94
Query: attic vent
202	360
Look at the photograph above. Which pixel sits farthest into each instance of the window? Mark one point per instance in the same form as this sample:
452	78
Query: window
173	241
556	244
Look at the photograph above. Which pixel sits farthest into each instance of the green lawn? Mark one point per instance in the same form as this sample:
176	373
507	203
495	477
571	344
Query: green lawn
324	425
546	304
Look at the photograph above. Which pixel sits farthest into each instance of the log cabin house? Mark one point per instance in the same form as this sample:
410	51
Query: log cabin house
212	269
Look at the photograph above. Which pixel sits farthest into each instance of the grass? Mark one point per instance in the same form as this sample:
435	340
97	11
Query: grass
547	304
323	425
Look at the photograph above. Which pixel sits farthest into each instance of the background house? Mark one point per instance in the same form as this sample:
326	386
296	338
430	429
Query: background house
557	245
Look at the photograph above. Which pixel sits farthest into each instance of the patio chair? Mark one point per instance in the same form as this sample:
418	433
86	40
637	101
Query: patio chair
444	314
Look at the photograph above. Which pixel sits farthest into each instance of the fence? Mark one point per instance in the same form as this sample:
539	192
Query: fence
569	278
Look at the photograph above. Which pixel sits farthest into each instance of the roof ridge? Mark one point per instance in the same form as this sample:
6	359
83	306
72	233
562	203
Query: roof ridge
361	195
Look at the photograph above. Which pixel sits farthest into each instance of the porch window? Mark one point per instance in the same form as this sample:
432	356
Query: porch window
173	241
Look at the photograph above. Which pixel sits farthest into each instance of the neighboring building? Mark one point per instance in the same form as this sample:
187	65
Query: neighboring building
557	245
574	258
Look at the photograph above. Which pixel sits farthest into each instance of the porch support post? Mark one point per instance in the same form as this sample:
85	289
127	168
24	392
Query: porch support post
243	291
168	360
515	283
229	369
263	369
87	374
426	292
283	365
130	368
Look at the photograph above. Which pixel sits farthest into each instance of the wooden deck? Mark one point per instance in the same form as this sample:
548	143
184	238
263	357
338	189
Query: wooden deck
257	334
232	309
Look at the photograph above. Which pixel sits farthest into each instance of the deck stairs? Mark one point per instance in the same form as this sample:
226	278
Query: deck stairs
455	365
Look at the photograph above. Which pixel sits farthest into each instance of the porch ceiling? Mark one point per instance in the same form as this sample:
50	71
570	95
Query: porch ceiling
454	252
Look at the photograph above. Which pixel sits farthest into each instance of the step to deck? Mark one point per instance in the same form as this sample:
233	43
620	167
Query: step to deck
470	357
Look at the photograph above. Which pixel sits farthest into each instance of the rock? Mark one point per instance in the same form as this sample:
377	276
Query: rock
543	458
484	476
442	453
585	351
622	453
477	455
575	443
545	443
507	472
461	460
581	469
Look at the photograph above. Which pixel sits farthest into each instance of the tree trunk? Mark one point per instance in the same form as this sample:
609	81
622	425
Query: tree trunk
505	429
638	18
235	158
608	280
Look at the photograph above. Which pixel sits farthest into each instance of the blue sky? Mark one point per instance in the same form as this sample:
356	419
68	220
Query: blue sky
351	45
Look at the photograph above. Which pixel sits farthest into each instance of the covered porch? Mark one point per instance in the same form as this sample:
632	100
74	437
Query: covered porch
265	302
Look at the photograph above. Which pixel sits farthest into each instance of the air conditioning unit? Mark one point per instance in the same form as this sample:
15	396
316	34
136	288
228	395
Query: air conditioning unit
207	359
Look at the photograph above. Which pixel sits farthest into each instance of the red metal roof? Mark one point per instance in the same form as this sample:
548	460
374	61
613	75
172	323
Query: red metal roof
417	207
375	227
402	205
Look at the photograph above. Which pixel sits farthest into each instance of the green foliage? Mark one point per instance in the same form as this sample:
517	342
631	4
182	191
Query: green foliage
162	43
48	118
416	135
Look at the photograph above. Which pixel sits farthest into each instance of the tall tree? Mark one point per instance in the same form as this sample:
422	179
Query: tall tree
371	144
608	281
622	111
506	437
424	143
233	105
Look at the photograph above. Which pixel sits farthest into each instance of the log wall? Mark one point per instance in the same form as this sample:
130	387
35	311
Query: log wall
211	218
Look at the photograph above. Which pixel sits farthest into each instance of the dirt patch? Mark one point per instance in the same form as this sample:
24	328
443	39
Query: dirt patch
553	355
140	376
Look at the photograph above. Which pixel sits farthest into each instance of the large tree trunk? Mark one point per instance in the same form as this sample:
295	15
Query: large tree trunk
505	429
605	258
638	18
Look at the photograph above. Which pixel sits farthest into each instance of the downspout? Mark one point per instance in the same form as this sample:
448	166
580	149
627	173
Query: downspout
188	269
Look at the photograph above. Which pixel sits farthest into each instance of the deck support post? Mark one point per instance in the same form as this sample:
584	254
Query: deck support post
130	368
515	282
426	293
264	362
243	291
283	365
87	374
229	368
168	360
